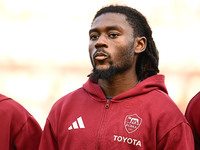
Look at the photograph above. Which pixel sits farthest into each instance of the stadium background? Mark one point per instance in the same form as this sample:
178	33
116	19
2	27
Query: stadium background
44	48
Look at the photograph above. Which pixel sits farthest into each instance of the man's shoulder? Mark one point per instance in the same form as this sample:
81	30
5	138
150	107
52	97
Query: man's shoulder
162	104
3	98
7	102
159	98
67	104
11	108
68	99
195	101
193	106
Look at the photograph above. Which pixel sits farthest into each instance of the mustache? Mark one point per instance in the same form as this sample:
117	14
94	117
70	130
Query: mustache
102	51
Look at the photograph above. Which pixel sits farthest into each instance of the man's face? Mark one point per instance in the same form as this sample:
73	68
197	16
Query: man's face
111	46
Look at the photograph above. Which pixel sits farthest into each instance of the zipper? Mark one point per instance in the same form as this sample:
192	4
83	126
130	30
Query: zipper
107	104
102	127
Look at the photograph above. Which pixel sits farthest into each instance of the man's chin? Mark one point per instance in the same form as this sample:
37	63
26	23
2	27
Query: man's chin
104	74
101	68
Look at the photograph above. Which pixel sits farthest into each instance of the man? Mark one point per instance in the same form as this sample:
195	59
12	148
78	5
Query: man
124	104
192	115
18	129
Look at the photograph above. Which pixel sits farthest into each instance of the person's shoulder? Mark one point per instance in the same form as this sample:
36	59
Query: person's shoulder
165	104
162	97
67	100
9	104
3	98
195	101
68	97
12	111
194	105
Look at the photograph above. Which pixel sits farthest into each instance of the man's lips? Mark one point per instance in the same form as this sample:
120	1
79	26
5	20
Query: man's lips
100	56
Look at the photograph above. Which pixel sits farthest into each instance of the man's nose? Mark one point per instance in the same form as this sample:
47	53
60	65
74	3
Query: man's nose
101	42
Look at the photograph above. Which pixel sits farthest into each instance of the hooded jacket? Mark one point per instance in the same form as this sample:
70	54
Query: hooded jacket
143	118
18	129
192	115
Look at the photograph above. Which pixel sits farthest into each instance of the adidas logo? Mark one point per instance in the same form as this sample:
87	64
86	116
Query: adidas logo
77	124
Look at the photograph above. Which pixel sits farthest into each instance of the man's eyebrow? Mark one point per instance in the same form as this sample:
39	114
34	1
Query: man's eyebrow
116	27
93	30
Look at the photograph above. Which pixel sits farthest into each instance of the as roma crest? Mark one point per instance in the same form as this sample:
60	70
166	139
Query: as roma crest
132	123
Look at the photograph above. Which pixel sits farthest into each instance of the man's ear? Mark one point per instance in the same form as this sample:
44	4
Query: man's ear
140	44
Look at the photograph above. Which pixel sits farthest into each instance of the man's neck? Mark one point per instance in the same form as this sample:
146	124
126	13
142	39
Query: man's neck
118	84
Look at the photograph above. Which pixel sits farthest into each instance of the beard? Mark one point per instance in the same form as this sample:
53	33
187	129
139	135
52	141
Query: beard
125	62
104	74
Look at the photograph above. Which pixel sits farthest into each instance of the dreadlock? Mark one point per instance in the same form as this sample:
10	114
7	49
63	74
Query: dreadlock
147	62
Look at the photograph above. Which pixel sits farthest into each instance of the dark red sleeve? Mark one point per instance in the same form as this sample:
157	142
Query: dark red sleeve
179	138
192	114
29	135
48	141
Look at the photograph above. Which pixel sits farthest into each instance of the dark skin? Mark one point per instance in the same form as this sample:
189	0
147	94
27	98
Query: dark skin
112	33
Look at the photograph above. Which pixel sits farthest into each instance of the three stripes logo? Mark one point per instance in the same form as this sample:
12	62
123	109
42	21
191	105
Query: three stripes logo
77	124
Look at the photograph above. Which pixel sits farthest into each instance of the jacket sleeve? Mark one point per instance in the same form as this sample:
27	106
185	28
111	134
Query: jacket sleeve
48	141
192	114
29	135
179	138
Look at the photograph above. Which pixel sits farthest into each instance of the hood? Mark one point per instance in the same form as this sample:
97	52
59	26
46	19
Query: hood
156	82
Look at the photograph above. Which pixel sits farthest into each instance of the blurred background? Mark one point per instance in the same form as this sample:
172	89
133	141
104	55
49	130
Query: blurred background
44	48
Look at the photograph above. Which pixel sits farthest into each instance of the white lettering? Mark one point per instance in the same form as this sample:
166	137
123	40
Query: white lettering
115	136
124	139
139	143
127	140
119	139
134	141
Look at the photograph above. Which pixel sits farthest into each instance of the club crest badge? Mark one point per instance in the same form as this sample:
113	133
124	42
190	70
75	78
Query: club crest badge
132	123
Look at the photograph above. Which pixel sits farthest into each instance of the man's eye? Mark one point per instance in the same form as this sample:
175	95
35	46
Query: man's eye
93	37
113	35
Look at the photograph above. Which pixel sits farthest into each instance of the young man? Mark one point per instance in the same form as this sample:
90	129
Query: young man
18	129
192	115
124	104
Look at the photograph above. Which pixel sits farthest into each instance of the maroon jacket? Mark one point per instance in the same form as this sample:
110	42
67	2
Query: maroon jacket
143	118
18	129
193	116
